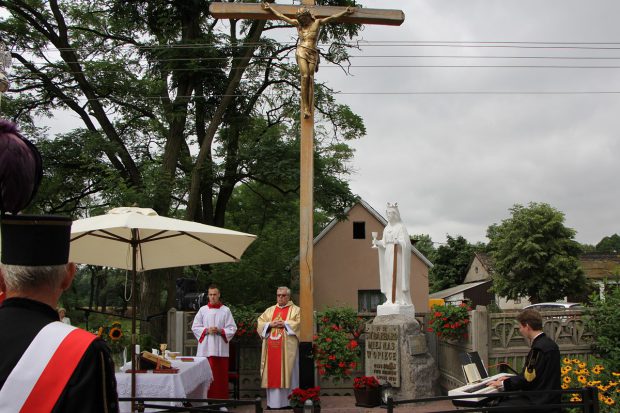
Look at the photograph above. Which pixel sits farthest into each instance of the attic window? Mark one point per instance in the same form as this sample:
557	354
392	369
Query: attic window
359	230
476	270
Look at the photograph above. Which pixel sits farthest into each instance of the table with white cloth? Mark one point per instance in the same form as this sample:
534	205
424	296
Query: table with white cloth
191	381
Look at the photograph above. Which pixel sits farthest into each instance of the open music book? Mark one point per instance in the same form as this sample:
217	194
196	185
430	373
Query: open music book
473	368
472	375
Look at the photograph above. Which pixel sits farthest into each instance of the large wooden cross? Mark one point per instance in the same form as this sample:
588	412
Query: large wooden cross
359	16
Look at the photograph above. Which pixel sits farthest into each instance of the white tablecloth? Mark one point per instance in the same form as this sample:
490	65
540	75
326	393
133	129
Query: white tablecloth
192	381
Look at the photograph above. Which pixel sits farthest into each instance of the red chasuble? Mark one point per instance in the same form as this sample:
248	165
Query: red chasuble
275	354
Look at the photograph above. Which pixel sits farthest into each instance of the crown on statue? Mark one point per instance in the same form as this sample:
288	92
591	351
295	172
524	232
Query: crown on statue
303	11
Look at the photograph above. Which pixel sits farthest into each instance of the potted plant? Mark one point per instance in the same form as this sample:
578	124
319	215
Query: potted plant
450	322
367	391
298	398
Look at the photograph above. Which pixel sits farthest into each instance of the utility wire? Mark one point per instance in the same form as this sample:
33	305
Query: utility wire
362	44
352	57
138	97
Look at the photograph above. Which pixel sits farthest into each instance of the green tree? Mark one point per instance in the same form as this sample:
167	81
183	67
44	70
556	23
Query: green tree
424	244
174	110
535	255
451	263
609	245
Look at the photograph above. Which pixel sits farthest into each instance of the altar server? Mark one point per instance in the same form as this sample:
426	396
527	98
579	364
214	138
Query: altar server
214	327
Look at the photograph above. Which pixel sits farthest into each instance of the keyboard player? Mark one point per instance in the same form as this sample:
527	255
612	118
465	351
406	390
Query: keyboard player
541	370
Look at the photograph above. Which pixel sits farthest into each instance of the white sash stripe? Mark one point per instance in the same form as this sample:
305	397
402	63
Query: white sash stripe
24	376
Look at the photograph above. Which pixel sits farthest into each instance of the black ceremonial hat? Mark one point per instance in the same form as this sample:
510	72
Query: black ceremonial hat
35	240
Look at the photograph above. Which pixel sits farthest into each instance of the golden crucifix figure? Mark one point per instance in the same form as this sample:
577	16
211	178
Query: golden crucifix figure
307	54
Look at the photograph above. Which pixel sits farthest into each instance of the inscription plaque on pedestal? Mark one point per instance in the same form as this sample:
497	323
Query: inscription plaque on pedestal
383	353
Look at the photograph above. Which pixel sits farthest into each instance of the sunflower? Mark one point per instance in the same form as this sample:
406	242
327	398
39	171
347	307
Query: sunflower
566	379
115	333
582	379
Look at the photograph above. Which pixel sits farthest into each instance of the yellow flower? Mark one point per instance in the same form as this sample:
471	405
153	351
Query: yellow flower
609	401
100	332
575	361
615	374
566	379
566	360
565	386
575	398
115	333
582	365
582	379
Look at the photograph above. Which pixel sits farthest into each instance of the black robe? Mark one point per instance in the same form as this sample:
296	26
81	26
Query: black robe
543	360
92	386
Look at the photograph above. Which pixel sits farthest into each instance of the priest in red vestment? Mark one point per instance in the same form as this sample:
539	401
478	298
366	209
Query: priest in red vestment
214	327
279	327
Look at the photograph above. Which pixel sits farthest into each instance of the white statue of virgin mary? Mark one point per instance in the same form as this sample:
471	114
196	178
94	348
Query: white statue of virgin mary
394	234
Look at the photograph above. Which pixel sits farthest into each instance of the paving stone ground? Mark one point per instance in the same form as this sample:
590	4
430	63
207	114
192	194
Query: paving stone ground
346	404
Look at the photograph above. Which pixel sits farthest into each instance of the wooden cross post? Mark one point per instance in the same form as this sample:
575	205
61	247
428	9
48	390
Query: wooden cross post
306	56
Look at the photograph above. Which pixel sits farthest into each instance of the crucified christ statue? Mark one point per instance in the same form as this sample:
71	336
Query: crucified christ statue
307	54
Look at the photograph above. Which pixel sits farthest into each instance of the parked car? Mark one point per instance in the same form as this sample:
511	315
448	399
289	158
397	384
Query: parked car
554	306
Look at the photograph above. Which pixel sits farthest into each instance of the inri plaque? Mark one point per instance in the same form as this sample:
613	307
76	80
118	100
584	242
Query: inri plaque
383	353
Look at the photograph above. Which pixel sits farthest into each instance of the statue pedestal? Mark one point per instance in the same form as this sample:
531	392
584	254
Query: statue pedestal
395	309
396	352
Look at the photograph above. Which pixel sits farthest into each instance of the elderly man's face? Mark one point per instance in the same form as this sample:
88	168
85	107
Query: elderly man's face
282	297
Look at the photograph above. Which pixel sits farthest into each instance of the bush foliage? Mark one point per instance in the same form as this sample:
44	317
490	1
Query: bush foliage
602	318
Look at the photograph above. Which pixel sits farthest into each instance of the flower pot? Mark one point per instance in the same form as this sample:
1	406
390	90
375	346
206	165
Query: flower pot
367	397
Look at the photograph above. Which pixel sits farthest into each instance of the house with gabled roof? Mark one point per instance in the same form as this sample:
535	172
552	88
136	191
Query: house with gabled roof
346	267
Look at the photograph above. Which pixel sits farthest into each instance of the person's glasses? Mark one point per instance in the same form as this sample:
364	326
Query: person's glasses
281	295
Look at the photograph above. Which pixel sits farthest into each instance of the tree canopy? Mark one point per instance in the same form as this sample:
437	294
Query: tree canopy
424	244
609	245
451	263
171	109
535	255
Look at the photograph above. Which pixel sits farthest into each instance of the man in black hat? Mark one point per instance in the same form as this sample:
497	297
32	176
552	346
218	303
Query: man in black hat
46	365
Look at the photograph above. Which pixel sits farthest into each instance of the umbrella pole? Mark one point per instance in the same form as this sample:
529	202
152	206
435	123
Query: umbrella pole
134	251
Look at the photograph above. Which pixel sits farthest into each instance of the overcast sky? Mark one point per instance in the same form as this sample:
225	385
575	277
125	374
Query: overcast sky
456	163
457	147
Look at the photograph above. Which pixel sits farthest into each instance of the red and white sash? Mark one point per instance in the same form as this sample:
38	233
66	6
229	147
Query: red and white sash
41	374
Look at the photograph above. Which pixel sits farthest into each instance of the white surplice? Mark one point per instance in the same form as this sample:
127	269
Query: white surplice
214	344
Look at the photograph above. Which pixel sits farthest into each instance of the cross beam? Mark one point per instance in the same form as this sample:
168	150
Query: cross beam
254	11
257	11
